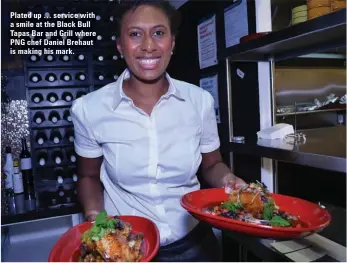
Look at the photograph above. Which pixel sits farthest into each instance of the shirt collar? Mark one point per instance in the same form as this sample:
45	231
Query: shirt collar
119	93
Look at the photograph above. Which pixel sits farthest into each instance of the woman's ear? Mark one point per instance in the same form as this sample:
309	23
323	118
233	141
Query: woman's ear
119	47
173	43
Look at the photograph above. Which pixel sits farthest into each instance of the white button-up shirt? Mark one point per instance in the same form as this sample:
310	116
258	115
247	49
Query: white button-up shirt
150	162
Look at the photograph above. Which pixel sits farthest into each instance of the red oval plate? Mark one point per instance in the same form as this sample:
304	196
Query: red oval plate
313	215
67	249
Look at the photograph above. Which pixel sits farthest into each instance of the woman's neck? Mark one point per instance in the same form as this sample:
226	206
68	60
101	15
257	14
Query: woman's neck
145	91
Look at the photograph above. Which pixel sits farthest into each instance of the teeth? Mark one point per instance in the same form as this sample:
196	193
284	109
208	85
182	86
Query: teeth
148	61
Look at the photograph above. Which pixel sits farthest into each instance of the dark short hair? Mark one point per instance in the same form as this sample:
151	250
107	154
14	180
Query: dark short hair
127	5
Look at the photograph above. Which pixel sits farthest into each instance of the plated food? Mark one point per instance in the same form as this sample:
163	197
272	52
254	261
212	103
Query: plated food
110	240
81	242
252	210
253	203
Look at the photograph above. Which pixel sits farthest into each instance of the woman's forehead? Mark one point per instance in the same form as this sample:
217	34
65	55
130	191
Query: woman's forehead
144	16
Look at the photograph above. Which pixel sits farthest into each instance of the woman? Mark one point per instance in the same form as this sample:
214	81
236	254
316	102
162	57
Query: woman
145	136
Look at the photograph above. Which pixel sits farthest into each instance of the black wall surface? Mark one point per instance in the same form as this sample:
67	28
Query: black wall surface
245	102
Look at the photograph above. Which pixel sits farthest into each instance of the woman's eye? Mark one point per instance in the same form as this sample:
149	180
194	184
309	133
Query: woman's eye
158	33
134	34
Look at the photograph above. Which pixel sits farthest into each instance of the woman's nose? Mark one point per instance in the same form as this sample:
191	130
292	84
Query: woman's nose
148	44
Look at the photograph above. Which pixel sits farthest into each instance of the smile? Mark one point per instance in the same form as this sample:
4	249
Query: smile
148	63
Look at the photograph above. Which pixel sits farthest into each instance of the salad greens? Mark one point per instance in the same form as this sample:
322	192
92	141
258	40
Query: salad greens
268	213
269	208
275	220
232	207
279	221
100	228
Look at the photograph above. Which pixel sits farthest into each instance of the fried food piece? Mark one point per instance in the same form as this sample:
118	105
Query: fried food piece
88	247
118	248
252	198
125	230
92	258
110	240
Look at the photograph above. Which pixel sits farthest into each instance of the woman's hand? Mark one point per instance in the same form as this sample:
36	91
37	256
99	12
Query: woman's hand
91	216
231	181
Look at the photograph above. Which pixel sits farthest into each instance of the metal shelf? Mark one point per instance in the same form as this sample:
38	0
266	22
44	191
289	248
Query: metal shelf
322	33
40	214
309	112
325	148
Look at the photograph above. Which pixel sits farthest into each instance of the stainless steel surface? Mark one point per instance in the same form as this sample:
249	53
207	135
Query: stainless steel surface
329	142
325	148
303	85
238	139
308	112
273	92
324	55
295	123
35	220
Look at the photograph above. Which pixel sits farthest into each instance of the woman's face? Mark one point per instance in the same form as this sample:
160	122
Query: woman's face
146	42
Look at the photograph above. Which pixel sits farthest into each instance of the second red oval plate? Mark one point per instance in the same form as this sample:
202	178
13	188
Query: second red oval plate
67	249
313	215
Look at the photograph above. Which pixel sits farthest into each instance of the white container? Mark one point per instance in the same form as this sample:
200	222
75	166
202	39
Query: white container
278	131
17	179
8	169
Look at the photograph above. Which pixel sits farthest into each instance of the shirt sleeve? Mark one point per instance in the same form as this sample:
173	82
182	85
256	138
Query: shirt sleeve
85	143
210	139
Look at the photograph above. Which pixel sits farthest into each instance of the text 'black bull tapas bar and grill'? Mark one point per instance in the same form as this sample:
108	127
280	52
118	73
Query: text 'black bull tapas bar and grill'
173	131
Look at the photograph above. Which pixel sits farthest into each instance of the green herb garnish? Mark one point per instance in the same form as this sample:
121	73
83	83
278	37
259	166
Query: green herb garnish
232	207
100	228
276	220
279	221
269	208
